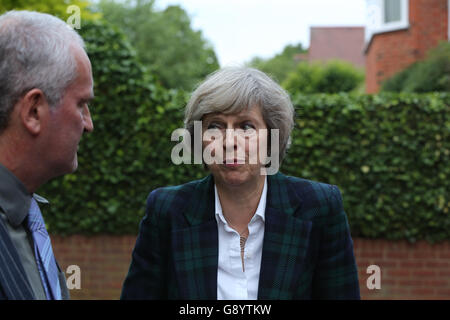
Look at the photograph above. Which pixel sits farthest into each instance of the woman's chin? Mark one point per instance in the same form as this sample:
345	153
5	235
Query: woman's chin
235	182
235	177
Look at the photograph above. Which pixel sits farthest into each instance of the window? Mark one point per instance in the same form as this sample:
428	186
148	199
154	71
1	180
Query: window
392	11
386	15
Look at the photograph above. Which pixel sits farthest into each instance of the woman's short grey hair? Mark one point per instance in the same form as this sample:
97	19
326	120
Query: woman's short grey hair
35	52
234	89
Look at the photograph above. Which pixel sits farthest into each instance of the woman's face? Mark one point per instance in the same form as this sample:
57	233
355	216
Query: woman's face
232	142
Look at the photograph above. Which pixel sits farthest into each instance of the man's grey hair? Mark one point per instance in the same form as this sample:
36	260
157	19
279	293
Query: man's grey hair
234	89
35	52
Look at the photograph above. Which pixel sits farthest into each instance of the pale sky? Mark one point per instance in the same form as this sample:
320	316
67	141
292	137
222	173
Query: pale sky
242	29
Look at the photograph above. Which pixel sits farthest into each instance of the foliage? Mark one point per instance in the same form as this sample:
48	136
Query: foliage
281	64
431	74
332	77
164	40
389	154
54	7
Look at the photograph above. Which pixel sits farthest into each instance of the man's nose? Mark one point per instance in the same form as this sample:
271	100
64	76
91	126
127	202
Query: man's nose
88	123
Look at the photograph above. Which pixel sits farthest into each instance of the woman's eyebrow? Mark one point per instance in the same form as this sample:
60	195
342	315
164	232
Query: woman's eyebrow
213	118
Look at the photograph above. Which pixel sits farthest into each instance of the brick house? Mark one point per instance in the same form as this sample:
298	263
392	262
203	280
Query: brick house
343	43
399	33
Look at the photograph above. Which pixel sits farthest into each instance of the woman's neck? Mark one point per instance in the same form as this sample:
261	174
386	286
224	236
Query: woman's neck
239	203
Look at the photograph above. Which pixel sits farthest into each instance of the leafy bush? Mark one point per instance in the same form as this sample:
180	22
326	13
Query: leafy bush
389	154
333	77
281	64
164	40
53	7
431	74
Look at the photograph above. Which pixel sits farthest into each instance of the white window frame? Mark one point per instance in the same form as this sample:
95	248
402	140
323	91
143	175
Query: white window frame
380	26
395	25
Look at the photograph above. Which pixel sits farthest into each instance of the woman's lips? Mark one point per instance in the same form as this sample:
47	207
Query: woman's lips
233	163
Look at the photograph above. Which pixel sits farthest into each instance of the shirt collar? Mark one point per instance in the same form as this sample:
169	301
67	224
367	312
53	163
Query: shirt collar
15	200
260	210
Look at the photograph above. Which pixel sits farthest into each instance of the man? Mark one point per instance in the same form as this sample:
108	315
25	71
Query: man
45	86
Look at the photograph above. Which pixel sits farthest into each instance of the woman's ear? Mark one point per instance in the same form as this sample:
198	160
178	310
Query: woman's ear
33	108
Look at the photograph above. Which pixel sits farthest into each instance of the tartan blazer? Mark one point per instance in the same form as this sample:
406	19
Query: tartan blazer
307	247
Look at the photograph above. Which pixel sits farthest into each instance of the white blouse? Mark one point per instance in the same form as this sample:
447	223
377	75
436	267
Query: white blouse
233	281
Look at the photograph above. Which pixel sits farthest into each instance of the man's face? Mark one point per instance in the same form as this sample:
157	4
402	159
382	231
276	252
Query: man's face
68	121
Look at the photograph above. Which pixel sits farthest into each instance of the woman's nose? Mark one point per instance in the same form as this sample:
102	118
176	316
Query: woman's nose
229	140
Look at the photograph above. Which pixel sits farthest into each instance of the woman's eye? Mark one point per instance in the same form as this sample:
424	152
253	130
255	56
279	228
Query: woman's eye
213	126
248	126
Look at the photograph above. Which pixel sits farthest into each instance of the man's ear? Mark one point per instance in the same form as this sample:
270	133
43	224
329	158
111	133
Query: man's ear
33	109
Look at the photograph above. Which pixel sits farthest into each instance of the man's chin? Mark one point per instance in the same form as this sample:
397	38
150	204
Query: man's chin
71	168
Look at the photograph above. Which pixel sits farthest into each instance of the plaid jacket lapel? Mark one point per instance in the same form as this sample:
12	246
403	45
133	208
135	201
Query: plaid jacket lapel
286	239
195	248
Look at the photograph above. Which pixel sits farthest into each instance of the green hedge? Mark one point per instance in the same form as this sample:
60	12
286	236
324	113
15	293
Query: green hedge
389	153
333	77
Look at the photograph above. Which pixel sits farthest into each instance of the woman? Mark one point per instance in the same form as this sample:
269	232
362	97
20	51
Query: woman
241	232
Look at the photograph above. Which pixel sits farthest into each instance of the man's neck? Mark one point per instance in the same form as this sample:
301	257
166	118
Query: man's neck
12	159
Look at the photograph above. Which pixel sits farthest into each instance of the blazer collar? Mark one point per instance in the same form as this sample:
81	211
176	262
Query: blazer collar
200	206
280	196
14	198
286	239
